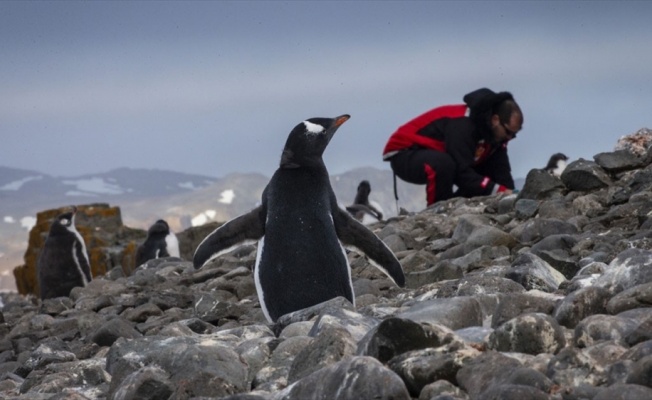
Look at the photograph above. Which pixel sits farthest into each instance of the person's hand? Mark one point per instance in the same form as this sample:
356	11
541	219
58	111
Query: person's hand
508	191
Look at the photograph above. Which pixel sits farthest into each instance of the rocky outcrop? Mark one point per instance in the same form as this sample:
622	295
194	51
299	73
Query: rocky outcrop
110	244
541	295
108	241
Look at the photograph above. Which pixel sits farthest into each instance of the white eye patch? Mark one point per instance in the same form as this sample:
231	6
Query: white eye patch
64	221
313	128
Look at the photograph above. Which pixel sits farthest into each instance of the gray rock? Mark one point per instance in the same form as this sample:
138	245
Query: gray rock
351	379
512	305
419	368
641	372
484	371
274	375
146	383
630	268
526	208
601	327
331	345
441	390
513	392
356	324
624	392
473	285
539	185
531	272
308	313
111	331
581	304
395	336
196	366
530	334
618	161
583	176
443	270
533	230
635	297
454	313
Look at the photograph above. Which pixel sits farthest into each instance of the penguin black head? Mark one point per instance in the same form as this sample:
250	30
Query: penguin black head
308	140
362	197
159	228
64	223
556	164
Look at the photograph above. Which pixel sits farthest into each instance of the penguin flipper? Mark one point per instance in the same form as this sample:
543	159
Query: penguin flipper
248	226
353	233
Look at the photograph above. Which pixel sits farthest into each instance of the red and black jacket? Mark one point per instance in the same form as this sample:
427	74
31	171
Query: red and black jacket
482	164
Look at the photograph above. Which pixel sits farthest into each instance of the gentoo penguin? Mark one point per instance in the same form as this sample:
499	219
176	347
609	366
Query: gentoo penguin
63	263
361	209
160	242
556	164
300	230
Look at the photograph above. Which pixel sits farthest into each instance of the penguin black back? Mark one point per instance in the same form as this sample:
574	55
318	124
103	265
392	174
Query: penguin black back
63	263
361	206
160	242
300	230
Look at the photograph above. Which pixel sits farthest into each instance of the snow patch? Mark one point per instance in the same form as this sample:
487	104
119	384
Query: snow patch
95	185
9	219
28	222
74	193
227	196
16	185
187	185
203	217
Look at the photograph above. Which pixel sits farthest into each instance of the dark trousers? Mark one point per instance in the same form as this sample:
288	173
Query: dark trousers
430	167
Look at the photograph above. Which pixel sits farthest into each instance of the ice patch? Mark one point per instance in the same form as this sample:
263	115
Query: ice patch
95	185
16	185
227	196
211	213
28	222
9	219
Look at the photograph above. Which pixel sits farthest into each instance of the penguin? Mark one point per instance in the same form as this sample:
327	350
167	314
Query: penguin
160	242
63	263
556	164
361	209
301	230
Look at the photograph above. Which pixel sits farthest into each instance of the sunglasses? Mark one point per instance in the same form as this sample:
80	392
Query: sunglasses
509	131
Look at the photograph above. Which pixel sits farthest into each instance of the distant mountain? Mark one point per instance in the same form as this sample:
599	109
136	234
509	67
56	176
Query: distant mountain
145	195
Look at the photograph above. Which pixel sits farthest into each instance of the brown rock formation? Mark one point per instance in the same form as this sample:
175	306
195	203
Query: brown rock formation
108	241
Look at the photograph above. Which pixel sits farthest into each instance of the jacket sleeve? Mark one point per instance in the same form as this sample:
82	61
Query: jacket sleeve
499	169
492	176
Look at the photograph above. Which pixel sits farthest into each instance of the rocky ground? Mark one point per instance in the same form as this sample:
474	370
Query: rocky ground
540	295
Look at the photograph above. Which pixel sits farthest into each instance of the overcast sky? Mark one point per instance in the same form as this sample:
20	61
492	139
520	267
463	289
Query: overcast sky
215	87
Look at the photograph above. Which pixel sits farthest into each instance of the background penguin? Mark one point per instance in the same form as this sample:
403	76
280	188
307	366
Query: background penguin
361	209
556	164
160	242
63	263
301	229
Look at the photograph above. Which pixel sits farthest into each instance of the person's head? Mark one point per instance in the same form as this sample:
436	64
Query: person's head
506	120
